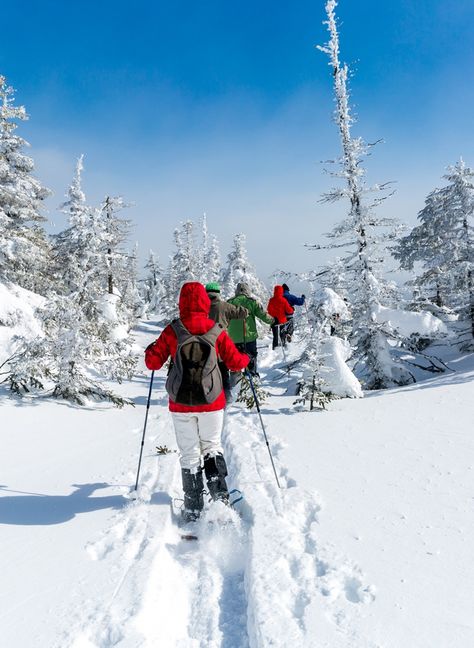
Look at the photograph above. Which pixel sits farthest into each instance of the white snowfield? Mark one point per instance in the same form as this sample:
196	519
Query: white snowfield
367	544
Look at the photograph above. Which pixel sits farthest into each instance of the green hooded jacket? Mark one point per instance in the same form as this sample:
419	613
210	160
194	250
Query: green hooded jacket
246	330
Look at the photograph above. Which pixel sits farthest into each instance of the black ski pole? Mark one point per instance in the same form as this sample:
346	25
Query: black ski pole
257	404
144	429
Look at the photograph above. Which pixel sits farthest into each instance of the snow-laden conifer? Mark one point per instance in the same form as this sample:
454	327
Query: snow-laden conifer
67	360
239	269
153	286
24	248
202	249
196	258
85	330
364	233
132	304
212	261
325	374
443	243
184	265
117	230
208	255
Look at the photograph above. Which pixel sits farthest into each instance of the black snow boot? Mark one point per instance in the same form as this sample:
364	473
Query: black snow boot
193	488
216	472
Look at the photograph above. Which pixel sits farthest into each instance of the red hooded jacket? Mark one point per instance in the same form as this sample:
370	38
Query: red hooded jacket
278	307
194	305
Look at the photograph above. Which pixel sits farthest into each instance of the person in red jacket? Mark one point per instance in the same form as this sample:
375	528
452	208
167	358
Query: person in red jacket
198	427
279	308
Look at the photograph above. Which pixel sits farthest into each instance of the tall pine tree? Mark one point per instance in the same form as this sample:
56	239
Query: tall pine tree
24	248
84	335
443	243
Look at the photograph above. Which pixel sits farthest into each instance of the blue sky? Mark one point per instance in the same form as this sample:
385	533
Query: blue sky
185	107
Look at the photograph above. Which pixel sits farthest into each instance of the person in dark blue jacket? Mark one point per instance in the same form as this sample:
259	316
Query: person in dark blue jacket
293	300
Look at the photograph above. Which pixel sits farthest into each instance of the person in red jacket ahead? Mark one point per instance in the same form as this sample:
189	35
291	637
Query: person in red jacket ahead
279	308
192	341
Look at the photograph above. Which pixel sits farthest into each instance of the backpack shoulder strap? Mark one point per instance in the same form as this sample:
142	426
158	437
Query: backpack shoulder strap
180	330
213	333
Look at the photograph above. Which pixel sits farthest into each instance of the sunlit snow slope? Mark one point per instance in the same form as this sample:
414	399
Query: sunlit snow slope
368	543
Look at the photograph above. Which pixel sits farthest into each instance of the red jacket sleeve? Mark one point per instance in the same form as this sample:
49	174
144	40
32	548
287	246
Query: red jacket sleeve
230	355
161	349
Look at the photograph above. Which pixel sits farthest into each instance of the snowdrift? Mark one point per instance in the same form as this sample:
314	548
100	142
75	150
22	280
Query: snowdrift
338	377
410	323
330	303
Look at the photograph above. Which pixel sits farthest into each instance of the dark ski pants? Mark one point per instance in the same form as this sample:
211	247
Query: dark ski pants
225	376
226	381
250	348
279	335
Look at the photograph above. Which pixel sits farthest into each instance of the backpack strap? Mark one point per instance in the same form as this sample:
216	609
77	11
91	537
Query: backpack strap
180	330
213	333
183	334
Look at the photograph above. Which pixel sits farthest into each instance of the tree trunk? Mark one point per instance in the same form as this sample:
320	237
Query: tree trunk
311	402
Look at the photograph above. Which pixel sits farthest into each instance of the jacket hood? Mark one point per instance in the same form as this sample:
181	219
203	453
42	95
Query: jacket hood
278	291
193	300
243	289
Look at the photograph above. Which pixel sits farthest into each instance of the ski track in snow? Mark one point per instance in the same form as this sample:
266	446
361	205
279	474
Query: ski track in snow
248	585
286	570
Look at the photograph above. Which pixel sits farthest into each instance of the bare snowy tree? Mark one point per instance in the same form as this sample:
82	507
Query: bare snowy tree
363	233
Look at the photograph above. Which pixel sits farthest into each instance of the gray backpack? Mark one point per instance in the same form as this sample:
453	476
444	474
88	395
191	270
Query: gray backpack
194	377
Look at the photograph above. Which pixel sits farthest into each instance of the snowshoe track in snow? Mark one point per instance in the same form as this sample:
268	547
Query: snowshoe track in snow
286	570
246	585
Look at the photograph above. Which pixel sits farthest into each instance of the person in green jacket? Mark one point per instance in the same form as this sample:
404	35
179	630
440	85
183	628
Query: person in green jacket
244	332
222	312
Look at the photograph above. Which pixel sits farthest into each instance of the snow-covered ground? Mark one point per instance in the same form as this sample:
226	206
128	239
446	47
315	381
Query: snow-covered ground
368	543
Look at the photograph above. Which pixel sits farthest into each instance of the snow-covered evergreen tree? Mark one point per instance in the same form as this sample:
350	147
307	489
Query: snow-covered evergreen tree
117	230
64	362
80	251
364	233
239	269
202	249
132	305
183	267
212	261
85	329
335	276
443	243
325	374
24	248
153	285
208	255
172	281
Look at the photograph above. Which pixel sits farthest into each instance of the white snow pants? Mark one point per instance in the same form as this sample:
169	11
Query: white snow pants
197	434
